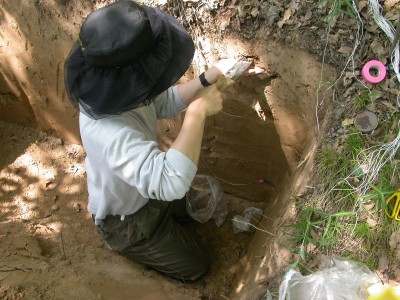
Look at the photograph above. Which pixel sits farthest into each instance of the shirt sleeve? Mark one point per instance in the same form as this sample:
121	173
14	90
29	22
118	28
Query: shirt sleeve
169	104
156	174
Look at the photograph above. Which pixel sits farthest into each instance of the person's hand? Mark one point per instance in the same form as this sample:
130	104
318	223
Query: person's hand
222	68
207	101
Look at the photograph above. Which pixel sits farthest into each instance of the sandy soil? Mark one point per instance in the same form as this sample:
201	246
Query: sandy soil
48	245
48	242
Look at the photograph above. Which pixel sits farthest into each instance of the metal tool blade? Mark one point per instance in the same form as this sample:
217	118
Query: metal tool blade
237	69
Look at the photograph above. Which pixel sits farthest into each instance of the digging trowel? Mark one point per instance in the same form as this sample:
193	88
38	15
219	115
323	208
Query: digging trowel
237	69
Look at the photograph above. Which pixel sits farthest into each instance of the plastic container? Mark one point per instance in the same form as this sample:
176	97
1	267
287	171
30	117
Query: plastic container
337	278
250	216
205	200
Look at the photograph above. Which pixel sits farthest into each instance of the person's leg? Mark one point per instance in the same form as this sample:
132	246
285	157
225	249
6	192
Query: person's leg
179	212
152	237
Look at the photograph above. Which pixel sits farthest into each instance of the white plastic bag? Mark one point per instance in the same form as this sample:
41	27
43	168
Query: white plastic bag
337	278
243	222
205	200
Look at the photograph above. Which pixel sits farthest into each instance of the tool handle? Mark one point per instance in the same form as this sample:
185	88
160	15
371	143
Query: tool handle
393	210
224	83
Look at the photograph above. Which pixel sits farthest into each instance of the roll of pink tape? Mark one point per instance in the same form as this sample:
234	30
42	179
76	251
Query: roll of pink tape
378	67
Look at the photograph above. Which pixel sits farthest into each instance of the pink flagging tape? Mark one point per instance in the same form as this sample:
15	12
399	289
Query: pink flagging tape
378	67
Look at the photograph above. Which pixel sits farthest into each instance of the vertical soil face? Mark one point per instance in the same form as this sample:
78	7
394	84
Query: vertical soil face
36	39
254	146
241	146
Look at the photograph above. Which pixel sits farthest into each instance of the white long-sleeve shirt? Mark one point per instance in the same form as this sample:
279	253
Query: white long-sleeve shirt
124	164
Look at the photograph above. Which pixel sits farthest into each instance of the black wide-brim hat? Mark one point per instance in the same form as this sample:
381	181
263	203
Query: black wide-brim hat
126	55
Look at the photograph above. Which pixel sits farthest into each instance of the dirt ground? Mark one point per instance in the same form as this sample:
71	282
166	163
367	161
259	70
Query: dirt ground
256	147
48	241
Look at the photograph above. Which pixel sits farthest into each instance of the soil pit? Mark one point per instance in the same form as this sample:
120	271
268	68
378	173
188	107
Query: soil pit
259	148
48	241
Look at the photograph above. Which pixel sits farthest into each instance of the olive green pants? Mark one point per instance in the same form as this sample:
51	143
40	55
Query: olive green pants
154	237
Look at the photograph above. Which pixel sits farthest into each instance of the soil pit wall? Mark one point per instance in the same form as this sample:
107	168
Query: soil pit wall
242	146
259	148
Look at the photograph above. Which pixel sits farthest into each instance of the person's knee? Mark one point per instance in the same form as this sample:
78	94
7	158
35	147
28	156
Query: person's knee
199	267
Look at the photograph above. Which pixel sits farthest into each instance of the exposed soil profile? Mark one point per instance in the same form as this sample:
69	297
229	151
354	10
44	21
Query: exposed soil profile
258	147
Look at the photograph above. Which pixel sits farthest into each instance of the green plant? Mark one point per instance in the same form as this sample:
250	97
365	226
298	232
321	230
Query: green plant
338	8
318	228
373	242
346	170
362	100
379	194
389	126
364	231
332	164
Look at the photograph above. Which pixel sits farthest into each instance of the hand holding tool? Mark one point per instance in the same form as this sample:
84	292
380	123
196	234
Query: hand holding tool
233	69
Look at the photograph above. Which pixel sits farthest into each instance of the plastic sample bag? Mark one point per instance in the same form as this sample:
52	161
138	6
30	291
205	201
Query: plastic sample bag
337	278
243	222
205	200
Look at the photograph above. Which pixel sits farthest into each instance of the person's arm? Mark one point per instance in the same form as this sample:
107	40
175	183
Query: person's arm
206	102
201	102
188	89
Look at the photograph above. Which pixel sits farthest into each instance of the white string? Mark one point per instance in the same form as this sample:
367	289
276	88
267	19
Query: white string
389	30
376	157
359	35
373	158
235	116
371	161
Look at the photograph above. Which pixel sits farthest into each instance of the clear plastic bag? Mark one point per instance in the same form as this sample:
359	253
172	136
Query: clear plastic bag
243	222
337	278
205	200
